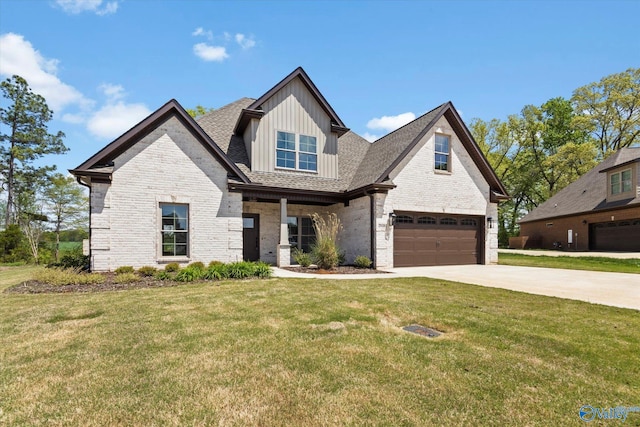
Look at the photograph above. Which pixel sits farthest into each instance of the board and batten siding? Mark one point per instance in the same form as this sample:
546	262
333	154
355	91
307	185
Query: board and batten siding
292	109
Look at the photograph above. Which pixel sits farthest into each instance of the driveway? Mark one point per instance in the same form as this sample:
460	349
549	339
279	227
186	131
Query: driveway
614	289
538	252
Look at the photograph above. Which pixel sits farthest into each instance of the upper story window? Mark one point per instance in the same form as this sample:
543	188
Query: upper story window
442	153
621	182
300	154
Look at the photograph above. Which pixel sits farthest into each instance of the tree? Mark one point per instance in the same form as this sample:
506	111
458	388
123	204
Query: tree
610	109
198	111
66	203
25	139
31	217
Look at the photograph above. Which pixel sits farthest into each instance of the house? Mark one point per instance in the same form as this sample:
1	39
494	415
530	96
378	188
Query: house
242	181
599	212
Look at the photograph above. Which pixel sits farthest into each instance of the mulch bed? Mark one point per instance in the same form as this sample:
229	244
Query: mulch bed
342	269
35	287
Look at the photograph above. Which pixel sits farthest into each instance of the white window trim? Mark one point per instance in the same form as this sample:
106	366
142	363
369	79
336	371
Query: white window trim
620	182
297	152
172	200
435	152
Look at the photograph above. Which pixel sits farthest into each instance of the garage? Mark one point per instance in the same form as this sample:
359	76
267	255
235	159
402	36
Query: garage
421	238
615	236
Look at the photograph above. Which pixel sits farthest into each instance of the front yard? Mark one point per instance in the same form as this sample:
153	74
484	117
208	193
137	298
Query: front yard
614	265
311	352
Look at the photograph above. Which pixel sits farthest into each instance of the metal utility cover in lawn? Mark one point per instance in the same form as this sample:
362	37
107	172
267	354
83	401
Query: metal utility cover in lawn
421	330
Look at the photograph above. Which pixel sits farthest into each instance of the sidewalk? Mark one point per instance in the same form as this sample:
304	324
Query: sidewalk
539	252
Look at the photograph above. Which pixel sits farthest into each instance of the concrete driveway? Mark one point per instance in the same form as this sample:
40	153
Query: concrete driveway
615	289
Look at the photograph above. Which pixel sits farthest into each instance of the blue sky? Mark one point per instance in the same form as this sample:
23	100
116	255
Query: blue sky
105	64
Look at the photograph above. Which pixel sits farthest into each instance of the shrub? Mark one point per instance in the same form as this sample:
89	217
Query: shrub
172	267
72	259
215	262
199	265
216	272
67	276
262	270
147	271
362	261
162	275
128	277
240	270
124	269
189	274
301	257
325	251
342	257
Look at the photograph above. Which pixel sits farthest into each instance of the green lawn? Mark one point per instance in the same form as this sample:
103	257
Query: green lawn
311	353
572	263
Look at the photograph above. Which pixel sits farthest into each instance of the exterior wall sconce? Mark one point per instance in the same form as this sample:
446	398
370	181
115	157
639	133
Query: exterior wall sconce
490	222
392	218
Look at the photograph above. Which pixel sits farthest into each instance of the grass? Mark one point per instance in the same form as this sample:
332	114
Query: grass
572	263
311	352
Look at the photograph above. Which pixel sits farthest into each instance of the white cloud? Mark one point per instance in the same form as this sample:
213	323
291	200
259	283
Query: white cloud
370	137
17	56
96	6
391	123
113	119
210	53
245	42
202	32
112	92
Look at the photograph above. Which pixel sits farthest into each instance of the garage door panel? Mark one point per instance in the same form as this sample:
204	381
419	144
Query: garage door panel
616	236
436	244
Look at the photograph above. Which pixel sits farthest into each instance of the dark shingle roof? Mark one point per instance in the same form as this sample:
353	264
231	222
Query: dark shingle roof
384	152
588	193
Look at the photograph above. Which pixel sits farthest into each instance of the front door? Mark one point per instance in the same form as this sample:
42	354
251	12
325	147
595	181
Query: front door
251	237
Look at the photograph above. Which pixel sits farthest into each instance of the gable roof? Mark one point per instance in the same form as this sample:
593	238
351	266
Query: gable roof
254	110
589	192
387	153
100	163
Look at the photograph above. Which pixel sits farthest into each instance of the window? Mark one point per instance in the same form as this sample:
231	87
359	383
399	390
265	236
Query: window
301	232
404	219
305	157
175	229
442	153
426	220
621	182
448	221
468	221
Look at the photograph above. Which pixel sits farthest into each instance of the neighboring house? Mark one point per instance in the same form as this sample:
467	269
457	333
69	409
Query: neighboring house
242	181
599	212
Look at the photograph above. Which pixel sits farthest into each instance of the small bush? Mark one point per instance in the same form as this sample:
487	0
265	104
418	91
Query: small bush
216	272
68	276
162	275
147	271
129	277
301	257
262	270
199	265
73	259
189	274
124	269
172	267
342	257
325	251
240	270
215	262
362	261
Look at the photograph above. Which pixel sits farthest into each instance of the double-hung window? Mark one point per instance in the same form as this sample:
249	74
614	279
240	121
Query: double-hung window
296	151
175	229
621	182
442	153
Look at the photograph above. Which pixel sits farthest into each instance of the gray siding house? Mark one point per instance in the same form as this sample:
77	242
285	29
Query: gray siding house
242	181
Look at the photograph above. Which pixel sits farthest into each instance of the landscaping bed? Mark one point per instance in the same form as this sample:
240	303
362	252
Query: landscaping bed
341	269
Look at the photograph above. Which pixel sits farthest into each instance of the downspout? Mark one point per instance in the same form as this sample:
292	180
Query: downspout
89	187
372	222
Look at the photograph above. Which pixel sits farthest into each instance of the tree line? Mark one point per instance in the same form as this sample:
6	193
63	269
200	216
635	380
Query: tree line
39	206
541	150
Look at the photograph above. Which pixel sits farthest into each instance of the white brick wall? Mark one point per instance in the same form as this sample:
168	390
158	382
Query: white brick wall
168	165
421	188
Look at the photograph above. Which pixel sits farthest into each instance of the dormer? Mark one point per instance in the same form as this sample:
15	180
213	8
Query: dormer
292	130
623	181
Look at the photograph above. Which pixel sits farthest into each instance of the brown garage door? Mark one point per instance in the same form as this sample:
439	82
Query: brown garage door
615	236
435	239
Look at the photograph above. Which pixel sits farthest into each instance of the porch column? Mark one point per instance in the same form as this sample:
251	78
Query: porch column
284	249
